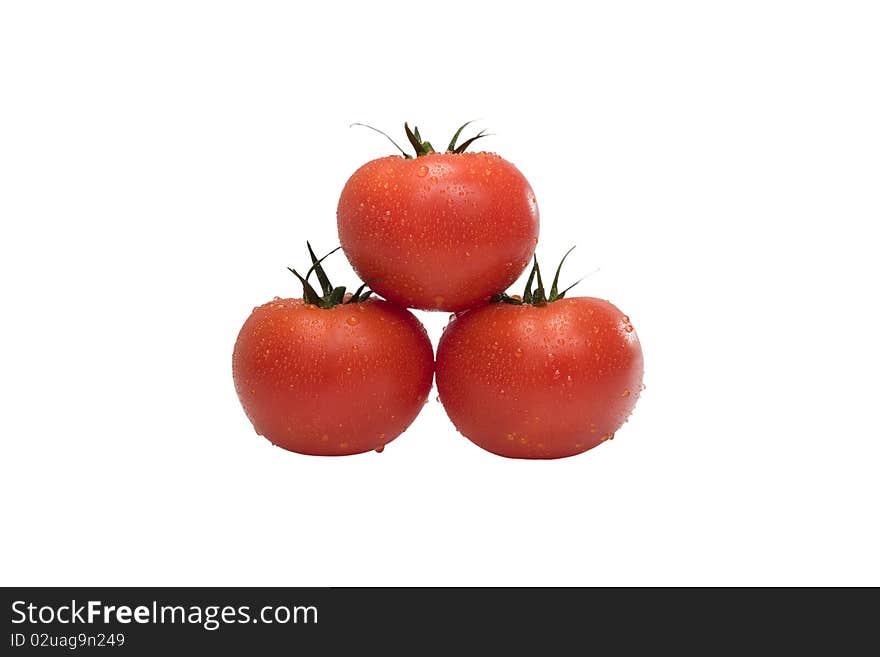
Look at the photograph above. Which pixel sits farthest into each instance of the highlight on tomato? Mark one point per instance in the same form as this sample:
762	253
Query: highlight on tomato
331	373
438	230
540	376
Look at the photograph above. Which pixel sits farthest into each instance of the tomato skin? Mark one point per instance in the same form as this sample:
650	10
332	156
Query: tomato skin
343	380
540	382
443	231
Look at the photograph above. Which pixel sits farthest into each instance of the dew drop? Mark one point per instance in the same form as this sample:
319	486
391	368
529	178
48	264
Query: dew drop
556	374
608	436
642	387
510	436
626	392
352	321
535	240
625	319
628	328
423	171
380	449
518	353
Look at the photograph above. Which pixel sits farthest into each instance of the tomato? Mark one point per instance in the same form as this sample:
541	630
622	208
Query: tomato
540	379
345	378
441	231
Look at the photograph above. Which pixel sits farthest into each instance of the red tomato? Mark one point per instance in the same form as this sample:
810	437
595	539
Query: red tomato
540	381
441	231
332	381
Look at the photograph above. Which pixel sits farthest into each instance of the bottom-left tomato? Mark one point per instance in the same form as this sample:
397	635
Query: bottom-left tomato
332	374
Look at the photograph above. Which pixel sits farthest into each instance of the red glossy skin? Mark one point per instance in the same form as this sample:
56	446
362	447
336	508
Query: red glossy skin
336	381
443	231
540	382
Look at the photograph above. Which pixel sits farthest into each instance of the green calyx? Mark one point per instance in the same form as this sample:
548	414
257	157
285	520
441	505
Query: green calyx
331	296
423	146
538	296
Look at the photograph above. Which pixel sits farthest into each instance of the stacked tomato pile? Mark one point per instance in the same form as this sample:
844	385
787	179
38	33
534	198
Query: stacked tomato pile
541	375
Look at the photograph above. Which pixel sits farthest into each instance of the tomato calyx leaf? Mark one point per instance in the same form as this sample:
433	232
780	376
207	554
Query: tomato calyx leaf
423	146
538	296
330	296
452	148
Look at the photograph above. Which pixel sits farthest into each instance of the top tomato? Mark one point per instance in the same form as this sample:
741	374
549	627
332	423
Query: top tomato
440	231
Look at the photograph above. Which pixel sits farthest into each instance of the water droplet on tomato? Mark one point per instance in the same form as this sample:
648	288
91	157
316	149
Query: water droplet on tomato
422	172
642	387
625	319
626	392
518	353
608	436
380	449
556	374
488	172
510	436
352	320
535	240
628	328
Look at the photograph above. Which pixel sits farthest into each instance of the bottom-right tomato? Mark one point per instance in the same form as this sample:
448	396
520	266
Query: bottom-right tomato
540	376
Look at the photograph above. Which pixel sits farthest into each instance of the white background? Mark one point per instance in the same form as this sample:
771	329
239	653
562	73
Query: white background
162	163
